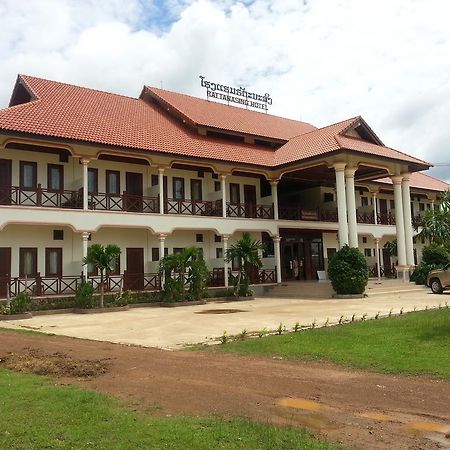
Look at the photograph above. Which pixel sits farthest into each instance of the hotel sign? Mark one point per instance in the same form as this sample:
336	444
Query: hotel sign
235	95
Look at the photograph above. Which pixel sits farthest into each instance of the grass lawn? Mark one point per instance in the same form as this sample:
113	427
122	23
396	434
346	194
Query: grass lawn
37	414
414	343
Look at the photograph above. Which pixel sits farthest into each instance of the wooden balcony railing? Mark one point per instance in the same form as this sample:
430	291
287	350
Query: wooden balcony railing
264	276
250	210
193	207
38	286
41	197
123	202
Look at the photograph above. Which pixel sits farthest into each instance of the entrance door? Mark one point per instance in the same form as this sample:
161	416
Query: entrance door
387	263
133	197
250	200
383	210
5	270
5	181
293	260
134	276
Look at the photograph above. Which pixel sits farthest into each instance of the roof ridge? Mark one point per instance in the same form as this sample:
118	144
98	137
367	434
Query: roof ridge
326	126
390	148
228	106
22	76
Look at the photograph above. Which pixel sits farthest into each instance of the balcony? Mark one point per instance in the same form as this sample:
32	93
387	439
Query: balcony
250	210
193	207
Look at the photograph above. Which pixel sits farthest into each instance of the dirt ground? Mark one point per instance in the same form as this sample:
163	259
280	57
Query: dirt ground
360	409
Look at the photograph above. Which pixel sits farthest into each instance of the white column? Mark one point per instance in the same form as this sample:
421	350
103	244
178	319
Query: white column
274	184
377	247
351	207
225	263
406	199
85	163
161	189
375	209
276	242
399	223
85	238
223	187
162	239
341	204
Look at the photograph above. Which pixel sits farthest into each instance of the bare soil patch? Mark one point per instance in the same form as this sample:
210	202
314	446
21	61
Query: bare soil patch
361	409
55	364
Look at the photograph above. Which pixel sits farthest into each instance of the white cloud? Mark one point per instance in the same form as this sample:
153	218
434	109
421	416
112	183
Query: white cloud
321	61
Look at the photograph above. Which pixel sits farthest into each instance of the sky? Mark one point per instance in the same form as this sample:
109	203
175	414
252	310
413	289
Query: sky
321	61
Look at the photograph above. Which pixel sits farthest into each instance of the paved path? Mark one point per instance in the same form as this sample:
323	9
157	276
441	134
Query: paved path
174	327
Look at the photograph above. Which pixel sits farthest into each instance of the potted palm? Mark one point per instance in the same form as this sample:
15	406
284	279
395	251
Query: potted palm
104	259
246	253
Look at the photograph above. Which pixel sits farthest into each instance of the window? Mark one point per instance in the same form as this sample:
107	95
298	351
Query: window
28	175
55	177
113	182
53	262
235	194
92	181
58	235
155	254
196	190
235	264
178	188
364	239
421	206
392	204
368	252
155	181
328	197
27	262
199	237
217	238
216	186
219	253
215	176
364	201
201	174
177	250
268	246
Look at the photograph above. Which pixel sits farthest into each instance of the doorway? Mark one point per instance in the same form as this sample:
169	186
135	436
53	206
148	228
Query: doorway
250	200
5	270
134	275
134	191
301	255
5	181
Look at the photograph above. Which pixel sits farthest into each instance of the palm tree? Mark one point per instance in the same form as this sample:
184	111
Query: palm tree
189	267
435	224
246	253
104	259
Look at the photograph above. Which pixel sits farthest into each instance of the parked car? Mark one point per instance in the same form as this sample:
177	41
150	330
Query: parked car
439	279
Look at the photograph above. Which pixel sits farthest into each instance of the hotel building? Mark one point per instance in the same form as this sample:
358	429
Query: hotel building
163	171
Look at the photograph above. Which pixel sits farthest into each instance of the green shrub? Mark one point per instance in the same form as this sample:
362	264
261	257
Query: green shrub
435	254
348	271
173	290
122	299
20	303
419	276
5	310
84	297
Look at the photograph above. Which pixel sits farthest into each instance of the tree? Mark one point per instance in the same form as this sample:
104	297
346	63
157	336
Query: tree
104	259
246	253
348	271
190	269
435	224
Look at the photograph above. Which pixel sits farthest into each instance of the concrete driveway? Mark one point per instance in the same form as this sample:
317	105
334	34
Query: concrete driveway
170	328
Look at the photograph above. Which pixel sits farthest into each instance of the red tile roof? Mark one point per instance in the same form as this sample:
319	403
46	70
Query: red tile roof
216	115
422	181
332	138
71	112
